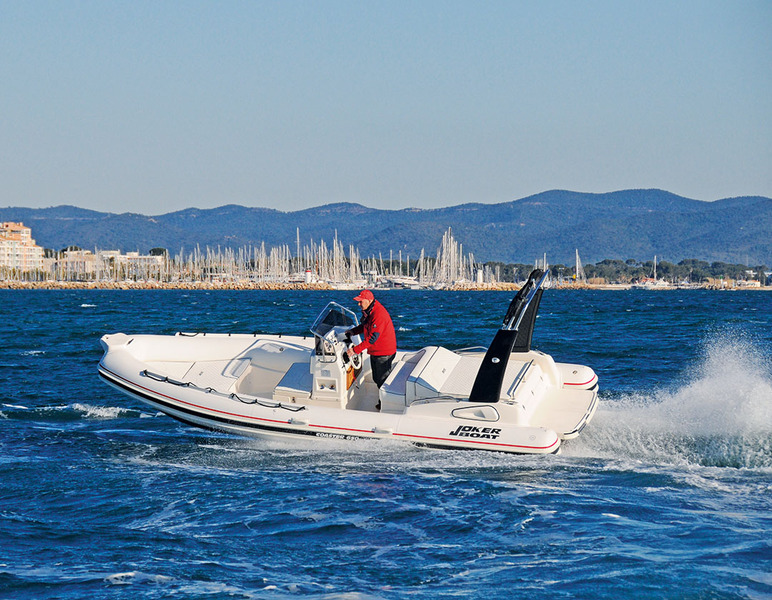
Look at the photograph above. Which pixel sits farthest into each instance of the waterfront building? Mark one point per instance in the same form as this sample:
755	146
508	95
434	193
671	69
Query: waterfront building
76	264
73	265
18	251
132	265
79	265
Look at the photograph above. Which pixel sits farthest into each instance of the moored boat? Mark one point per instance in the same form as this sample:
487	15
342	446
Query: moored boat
508	398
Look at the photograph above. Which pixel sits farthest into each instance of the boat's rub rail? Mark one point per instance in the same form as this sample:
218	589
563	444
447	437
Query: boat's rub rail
253	334
210	390
165	379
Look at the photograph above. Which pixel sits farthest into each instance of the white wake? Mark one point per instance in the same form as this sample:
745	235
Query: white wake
721	416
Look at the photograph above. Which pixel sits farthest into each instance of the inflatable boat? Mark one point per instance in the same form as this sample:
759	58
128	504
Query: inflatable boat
508	398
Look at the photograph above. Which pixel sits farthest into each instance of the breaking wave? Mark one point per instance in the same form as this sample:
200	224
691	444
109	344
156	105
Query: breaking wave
67	412
721	416
99	412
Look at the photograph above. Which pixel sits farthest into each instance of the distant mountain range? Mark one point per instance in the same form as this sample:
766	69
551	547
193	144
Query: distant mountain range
630	224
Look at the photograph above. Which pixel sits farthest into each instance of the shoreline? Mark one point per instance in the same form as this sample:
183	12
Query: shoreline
320	286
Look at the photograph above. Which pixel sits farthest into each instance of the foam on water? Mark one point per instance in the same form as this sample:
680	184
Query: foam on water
720	416
99	412
67	412
133	577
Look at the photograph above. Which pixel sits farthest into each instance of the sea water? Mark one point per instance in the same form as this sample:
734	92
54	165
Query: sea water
666	494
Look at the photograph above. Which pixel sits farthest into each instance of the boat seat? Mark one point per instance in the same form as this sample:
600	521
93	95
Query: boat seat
272	355
430	373
460	380
295	385
392	392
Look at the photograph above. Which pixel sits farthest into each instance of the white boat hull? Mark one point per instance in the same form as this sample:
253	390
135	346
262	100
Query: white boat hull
244	385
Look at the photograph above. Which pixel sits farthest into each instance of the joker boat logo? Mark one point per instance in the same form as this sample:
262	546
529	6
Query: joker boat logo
486	433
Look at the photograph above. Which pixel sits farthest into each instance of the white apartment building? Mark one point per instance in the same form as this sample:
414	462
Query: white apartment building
18	251
84	265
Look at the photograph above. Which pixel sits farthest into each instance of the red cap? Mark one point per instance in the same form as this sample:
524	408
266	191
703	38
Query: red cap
364	295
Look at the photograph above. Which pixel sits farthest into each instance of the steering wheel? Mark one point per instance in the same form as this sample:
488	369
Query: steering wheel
356	361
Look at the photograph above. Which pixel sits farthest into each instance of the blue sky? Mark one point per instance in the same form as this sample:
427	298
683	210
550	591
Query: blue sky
152	107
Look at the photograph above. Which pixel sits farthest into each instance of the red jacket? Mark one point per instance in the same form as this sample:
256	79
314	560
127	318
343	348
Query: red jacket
377	332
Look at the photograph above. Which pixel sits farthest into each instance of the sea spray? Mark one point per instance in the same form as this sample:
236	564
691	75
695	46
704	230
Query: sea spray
721	415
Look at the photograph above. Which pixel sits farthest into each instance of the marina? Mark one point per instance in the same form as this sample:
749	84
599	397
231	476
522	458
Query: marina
25	265
312	266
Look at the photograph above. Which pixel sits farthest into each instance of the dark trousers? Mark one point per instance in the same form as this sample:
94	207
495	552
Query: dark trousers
381	366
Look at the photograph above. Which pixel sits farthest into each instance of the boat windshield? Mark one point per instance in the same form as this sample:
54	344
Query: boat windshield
333	315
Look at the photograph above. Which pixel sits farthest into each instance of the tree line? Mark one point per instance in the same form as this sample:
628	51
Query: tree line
631	271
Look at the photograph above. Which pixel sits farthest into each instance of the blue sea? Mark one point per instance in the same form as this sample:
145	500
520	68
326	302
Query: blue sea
666	494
